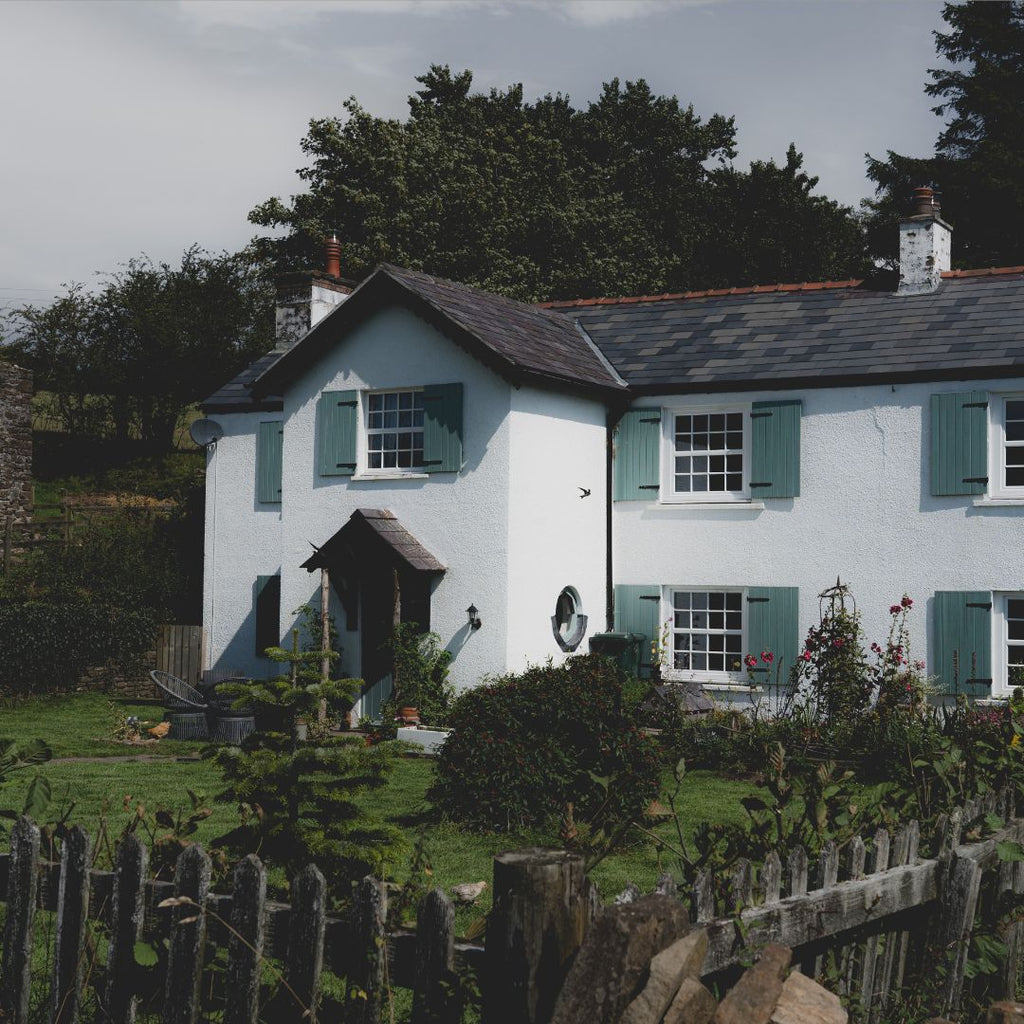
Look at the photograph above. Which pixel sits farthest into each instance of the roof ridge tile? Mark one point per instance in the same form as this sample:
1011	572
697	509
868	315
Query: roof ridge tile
756	289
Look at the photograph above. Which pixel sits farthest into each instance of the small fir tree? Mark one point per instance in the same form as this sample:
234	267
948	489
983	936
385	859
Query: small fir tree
297	799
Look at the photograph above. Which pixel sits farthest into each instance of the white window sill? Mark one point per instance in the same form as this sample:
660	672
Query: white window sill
999	502
359	477
678	678
732	688
740	506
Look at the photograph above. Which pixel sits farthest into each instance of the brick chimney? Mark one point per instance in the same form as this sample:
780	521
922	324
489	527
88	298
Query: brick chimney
925	245
306	297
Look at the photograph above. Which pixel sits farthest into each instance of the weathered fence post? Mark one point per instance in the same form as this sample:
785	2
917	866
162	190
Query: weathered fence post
72	918
961	882
245	946
771	878
1010	885
900	852
740	885
369	914
536	926
827	876
306	942
434	999
188	937
702	898
22	882
127	912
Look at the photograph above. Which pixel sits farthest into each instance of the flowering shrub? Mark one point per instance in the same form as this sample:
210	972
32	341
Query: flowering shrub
526	746
834	668
898	680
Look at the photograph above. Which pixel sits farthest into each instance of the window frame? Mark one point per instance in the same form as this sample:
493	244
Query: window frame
569	637
1001	685
668	493
366	431
997	401
667	620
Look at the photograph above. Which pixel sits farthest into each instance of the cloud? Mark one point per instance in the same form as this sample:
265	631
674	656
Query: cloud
277	14
597	13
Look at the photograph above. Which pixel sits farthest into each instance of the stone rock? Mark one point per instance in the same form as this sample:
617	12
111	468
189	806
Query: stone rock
612	964
628	895
693	1004
1005	1012
804	1001
683	959
753	998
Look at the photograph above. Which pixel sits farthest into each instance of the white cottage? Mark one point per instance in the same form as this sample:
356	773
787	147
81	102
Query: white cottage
697	466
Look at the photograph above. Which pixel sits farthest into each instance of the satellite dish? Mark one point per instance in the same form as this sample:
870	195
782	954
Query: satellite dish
205	432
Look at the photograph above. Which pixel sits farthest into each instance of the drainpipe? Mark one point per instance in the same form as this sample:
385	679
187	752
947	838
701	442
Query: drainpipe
609	576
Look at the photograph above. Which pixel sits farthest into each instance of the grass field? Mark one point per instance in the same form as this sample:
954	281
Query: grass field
108	788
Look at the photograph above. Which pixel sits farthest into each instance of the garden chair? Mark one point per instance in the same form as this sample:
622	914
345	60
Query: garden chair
186	708
227	722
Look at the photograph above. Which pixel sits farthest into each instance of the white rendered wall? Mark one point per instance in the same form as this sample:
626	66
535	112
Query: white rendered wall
242	541
460	518
556	536
865	514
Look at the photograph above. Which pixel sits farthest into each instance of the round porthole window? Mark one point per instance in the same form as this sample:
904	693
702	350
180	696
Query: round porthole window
568	624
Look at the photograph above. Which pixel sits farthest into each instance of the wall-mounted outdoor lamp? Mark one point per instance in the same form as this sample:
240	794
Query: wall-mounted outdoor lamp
474	617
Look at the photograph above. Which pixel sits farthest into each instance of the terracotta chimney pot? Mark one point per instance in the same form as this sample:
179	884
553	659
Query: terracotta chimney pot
332	253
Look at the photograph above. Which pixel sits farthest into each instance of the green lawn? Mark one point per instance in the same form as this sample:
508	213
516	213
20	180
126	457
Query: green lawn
79	726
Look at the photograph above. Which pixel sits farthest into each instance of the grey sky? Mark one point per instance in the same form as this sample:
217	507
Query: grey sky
145	127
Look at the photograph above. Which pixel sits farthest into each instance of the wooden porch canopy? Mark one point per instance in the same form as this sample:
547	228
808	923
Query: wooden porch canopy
373	534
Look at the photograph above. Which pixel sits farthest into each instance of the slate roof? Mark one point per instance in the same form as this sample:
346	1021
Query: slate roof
236	396
772	336
519	341
385	525
812	335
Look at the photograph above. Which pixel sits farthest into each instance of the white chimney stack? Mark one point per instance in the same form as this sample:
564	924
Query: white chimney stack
926	244
304	299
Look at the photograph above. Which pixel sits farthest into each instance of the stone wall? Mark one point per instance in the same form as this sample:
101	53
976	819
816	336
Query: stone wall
15	443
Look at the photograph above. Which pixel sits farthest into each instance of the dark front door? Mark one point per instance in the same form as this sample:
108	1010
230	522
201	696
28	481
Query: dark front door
377	623
381	607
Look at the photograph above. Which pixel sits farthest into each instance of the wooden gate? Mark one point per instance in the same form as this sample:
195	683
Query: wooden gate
181	650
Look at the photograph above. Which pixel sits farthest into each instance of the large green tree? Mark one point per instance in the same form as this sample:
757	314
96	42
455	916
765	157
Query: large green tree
541	200
131	357
978	163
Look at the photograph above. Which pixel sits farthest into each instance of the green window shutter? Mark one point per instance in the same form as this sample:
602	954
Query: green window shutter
637	466
268	612
268	460
442	428
339	422
775	449
638	610
963	641
959	454
773	624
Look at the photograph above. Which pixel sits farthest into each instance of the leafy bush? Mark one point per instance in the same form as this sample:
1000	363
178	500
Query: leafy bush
94	601
526	747
47	646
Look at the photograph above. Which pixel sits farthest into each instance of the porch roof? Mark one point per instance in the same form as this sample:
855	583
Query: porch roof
383	524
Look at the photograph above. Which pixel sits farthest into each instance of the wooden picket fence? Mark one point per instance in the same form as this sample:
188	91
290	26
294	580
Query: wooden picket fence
882	922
